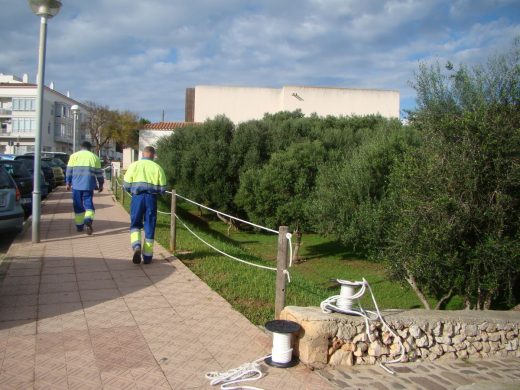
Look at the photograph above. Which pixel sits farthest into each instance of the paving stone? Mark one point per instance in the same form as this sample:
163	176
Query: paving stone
402	369
456	377
344	374
429	384
468	372
438	379
377	385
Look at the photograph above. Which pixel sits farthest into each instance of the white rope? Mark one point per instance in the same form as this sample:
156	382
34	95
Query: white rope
227	215
247	372
224	253
288	235
330	304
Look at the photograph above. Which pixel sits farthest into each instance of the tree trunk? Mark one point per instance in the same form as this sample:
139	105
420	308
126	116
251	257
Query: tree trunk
444	299
488	299
297	245
228	222
411	281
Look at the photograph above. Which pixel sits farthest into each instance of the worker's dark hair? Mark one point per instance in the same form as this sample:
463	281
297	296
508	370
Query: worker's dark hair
149	149
86	145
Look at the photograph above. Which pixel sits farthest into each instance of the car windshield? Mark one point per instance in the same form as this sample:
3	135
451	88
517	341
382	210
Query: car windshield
5	179
29	164
15	169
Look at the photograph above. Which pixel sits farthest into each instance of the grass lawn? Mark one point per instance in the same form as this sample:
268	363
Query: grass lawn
251	290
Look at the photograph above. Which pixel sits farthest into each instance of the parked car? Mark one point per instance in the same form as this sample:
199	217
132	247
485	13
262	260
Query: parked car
23	179
60	163
46	168
60	155
29	164
59	176
11	212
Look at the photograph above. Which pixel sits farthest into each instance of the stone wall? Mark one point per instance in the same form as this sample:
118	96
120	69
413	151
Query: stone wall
337	339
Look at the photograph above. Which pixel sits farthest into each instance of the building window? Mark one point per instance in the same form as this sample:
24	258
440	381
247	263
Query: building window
24	104
24	125
62	110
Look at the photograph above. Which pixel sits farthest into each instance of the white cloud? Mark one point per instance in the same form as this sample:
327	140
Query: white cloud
142	55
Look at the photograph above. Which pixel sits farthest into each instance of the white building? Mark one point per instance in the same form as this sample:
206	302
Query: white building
241	104
151	132
18	117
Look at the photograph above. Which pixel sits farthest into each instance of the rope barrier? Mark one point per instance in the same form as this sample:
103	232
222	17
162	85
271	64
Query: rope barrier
224	253
227	215
289	235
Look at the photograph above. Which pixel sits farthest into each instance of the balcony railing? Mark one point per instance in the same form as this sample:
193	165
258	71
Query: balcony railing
58	137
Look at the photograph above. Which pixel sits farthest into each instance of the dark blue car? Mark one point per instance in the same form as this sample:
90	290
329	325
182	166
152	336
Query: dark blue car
44	186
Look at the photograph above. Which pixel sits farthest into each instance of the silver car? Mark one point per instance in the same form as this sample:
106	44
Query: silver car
11	212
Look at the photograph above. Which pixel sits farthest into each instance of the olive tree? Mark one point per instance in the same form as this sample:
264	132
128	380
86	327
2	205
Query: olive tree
453	204
278	192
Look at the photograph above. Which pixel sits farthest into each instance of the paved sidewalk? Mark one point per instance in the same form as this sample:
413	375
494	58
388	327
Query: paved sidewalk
489	374
75	313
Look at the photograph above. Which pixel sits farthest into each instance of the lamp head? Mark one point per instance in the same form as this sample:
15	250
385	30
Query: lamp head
45	8
74	108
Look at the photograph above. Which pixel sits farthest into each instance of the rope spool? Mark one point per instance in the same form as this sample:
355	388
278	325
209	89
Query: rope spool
347	293
281	355
343	304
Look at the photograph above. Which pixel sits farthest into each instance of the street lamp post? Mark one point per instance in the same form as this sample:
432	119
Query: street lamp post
45	9
75	112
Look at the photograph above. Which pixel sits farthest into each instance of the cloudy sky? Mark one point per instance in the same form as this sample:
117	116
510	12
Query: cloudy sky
141	55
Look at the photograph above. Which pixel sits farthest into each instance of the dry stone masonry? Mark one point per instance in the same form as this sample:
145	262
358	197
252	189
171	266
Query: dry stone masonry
342	340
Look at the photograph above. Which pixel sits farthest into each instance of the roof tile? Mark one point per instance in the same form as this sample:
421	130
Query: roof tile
167	125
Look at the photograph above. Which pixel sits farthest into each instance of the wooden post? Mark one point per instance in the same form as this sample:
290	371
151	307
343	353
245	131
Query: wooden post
281	265
112	178
115	188
173	223
122	196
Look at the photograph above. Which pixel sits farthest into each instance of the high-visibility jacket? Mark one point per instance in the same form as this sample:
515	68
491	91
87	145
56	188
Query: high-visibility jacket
145	176
83	170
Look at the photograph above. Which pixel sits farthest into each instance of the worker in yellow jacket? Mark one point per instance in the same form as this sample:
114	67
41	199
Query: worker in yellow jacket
84	175
144	179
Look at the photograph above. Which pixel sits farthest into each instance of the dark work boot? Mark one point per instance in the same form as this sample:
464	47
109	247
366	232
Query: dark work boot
88	227
136	259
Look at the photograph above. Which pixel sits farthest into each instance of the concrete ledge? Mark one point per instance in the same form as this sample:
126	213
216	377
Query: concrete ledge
338	339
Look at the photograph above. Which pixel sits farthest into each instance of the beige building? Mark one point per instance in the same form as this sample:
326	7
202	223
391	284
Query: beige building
241	104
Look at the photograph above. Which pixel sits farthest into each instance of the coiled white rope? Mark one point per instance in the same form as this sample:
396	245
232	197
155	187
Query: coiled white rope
247	372
281	353
336	304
